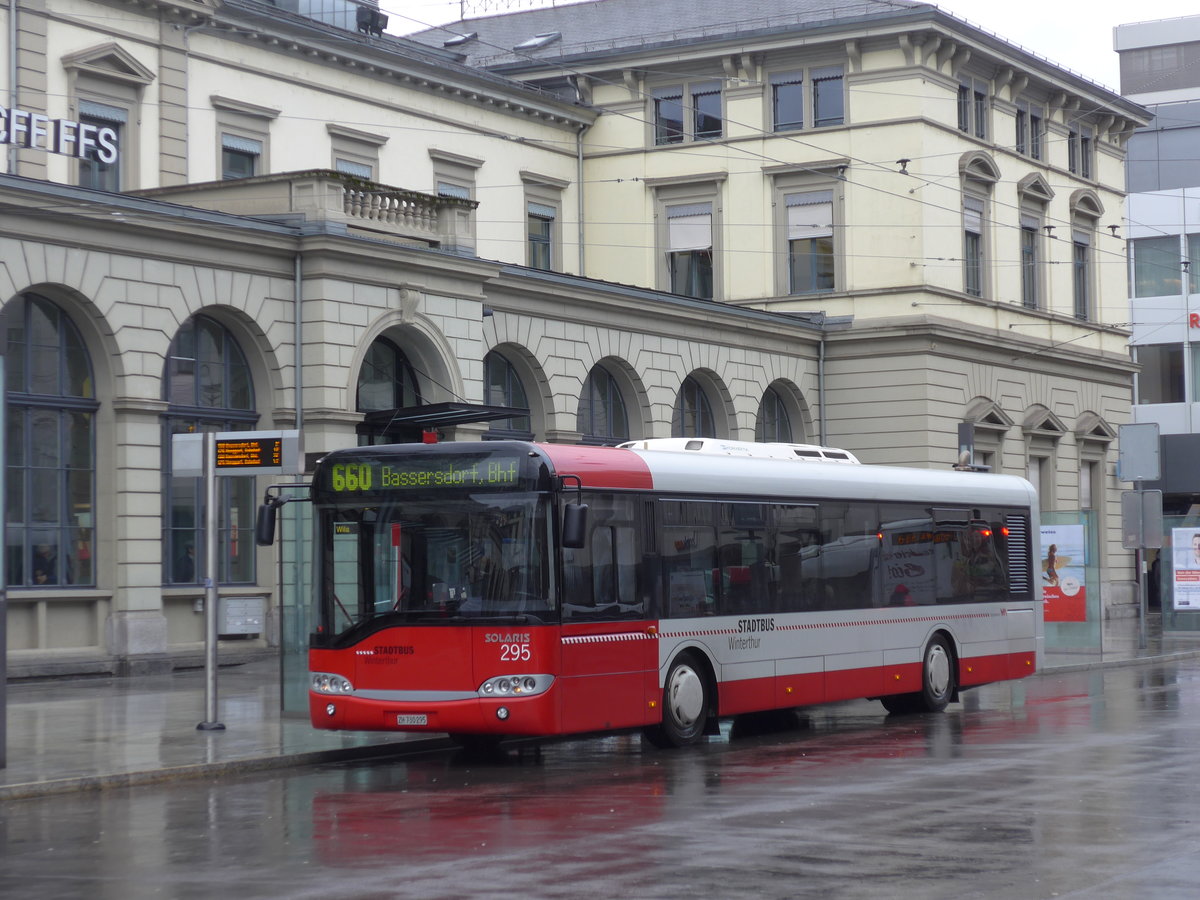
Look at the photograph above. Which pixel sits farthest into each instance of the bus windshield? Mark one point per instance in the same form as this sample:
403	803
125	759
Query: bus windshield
444	559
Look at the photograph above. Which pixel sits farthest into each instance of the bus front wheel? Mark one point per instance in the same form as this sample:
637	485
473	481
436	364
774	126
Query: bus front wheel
684	705
938	682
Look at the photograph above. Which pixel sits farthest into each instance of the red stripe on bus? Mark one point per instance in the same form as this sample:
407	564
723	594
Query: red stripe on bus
600	467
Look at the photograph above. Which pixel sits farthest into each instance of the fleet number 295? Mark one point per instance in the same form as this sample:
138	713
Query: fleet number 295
514	652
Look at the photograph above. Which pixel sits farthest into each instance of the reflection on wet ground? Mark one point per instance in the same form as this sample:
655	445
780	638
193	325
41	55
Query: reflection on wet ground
1070	784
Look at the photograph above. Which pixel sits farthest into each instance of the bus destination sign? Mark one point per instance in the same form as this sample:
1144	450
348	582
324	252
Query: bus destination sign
422	473
249	453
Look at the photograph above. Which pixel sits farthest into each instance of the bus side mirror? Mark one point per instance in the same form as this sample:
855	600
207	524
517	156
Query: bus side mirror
575	525
264	525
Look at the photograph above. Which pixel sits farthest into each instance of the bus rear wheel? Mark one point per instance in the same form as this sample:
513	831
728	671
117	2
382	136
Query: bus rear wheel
684	705
938	682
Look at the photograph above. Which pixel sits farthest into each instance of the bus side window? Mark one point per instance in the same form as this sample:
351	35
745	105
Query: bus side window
687	546
849	555
602	577
745	587
792	561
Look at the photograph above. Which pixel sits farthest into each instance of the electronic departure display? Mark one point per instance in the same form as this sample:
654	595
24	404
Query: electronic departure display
249	453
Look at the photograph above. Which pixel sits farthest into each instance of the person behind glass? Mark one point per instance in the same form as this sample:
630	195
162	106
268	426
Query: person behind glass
45	565
185	565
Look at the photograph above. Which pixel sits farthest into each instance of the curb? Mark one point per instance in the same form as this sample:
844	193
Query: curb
35	789
1119	663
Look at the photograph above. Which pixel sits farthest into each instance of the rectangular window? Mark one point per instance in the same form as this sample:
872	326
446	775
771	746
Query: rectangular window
1156	267
355	152
829	101
1029	130
1161	378
1087	472
972	103
1038	472
1085	153
1029	262
689	250
698	105
1081	270
541	223
706	111
239	156
1073	152
668	116
980	112
787	101
95	173
810	241
973	246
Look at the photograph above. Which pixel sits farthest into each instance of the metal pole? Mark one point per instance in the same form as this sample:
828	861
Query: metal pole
211	569
1139	556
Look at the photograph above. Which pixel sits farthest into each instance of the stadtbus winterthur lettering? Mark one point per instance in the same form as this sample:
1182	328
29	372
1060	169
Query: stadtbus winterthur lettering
366	476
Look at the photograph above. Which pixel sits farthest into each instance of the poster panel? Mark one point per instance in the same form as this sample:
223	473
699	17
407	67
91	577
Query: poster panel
1186	567
1062	572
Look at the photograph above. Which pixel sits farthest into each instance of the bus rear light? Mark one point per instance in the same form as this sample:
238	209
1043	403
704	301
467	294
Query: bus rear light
515	685
325	683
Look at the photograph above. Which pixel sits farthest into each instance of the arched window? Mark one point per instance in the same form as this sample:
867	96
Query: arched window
207	387
502	387
773	424
50	508
693	416
387	379
602	416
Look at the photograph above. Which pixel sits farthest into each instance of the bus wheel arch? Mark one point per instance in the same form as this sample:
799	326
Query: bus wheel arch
939	678
689	701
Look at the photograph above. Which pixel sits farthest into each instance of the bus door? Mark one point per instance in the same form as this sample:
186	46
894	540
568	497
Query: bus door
609	670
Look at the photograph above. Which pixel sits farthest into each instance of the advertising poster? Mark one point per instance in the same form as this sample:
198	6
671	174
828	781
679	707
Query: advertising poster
1186	566
1062	572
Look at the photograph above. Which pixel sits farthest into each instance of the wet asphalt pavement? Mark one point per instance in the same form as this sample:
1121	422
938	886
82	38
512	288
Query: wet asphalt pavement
1074	785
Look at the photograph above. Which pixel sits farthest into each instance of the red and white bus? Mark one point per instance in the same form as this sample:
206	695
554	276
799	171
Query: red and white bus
505	588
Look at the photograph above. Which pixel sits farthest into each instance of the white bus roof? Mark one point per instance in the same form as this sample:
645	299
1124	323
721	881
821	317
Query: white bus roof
717	446
723	475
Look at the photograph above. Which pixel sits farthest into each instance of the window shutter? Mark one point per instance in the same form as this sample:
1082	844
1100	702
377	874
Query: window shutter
90	109
689	227
973	214
810	215
244	145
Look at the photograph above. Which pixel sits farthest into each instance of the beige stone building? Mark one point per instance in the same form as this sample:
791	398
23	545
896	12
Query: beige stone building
864	227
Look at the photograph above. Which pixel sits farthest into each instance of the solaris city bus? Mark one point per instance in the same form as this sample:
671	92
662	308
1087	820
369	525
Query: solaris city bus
503	588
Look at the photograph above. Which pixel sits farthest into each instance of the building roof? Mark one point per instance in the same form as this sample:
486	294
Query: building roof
624	24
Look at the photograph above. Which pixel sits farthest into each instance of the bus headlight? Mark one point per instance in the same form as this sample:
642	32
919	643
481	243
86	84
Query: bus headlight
515	685
325	683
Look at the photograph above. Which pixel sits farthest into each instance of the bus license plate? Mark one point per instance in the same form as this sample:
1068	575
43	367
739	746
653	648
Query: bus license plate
412	719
